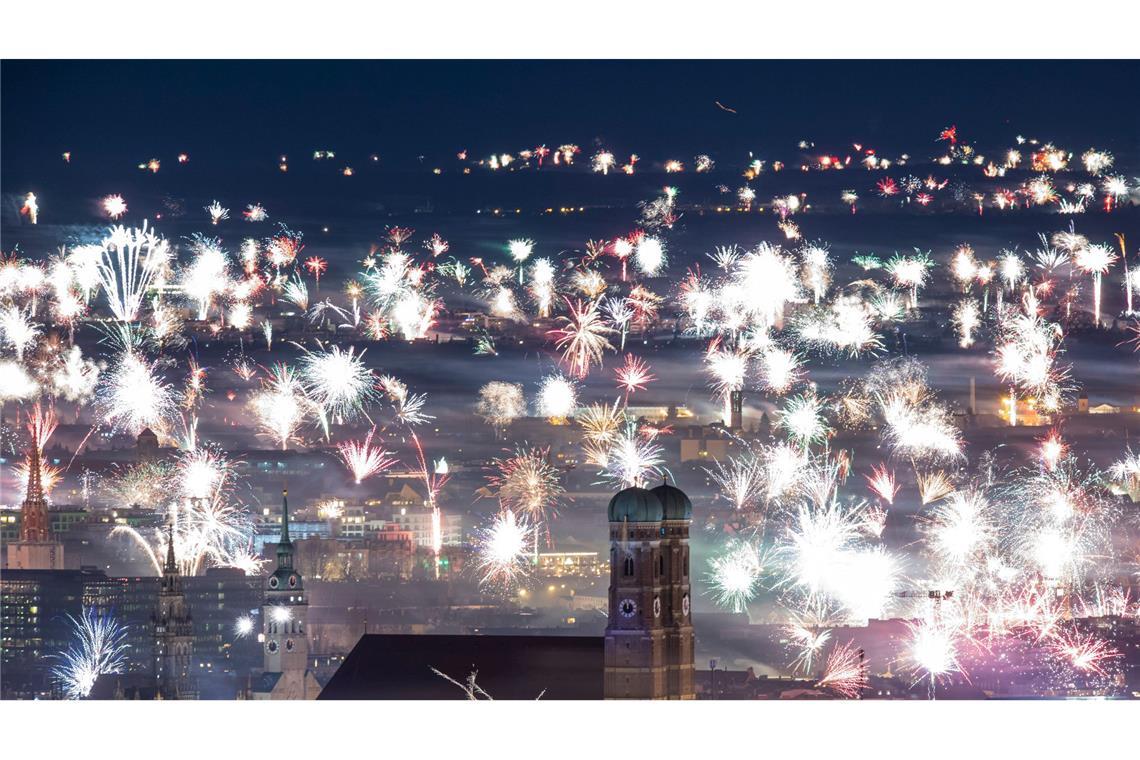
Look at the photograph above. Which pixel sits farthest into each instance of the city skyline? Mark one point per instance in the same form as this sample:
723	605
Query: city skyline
603	381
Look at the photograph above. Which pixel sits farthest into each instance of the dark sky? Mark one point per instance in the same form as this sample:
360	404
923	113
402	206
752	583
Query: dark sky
131	110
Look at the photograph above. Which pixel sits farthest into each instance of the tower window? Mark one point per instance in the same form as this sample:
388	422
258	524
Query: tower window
628	569
661	564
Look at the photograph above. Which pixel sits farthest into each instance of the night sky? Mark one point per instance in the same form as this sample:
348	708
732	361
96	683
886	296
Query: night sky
247	110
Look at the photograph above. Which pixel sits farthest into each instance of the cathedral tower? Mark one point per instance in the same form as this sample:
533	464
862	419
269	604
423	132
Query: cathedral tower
649	638
173	633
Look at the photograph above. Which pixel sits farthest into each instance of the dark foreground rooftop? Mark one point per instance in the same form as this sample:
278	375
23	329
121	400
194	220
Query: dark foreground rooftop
509	667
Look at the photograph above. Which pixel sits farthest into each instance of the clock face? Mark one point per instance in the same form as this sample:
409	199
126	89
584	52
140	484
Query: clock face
271	646
288	645
273	582
292	581
656	606
685	605
627	607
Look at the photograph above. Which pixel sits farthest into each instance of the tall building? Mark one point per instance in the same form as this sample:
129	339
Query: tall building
224	658
649	636
173	634
736	410
34	625
286	673
37	549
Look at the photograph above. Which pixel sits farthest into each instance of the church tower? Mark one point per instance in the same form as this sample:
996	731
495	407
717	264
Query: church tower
635	666
37	549
736	410
677	512
173	633
649	636
286	673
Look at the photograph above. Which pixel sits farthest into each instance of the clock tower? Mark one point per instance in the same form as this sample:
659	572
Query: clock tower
284	625
649	637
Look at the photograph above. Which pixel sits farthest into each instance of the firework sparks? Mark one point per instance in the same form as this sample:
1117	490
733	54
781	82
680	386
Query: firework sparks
503	550
634	375
740	479
808	632
583	337
1084	651
966	318
501	403
338	381
557	398
244	626
31	208
217	212
933	486
1095	260
132	395
815	270
129	260
881	481
363	459
208	274
98	647
114	206
933	651
735	574
281	406
527	483
780	369
18	330
632	459
910	272
409	407
845	672
649	256
255	212
803	419
920	431
208	529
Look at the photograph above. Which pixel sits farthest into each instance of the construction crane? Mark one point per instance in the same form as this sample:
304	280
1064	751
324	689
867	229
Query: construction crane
935	596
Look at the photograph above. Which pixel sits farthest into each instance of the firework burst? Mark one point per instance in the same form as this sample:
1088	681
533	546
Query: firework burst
338	381
845	671
735	574
363	459
583	337
98	647
503	550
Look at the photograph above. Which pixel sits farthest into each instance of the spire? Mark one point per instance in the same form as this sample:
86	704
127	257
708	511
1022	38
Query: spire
284	545
171	567
285	516
35	486
34	524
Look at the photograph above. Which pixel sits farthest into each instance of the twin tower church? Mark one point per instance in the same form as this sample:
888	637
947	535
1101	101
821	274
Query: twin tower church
649	637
